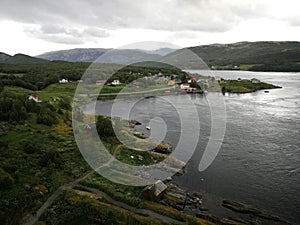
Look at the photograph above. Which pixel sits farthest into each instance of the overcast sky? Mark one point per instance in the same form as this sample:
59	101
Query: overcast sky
36	26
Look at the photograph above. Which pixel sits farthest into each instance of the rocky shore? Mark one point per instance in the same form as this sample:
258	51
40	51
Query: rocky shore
193	203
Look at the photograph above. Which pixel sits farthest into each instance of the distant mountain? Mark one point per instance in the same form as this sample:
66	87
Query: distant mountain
4	56
163	51
20	59
75	55
119	56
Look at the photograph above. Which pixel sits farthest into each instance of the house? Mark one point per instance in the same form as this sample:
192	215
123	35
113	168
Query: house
184	86
34	98
63	81
192	80
88	128
255	81
155	190
159	189
115	82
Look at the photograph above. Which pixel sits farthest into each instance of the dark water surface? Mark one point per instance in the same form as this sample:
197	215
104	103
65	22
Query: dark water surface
259	161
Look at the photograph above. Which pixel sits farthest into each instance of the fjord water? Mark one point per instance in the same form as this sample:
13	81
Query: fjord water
259	160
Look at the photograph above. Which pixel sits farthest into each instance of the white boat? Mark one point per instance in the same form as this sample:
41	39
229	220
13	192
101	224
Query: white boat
148	128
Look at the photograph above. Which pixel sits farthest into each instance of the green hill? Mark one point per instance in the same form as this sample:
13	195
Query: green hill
263	56
20	59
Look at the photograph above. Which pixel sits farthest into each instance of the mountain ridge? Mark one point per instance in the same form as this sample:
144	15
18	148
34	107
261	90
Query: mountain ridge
20	59
120	56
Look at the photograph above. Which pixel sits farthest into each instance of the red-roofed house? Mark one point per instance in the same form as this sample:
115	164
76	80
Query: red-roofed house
34	97
184	86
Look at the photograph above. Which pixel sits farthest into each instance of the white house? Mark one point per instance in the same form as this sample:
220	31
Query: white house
116	82
34	98
63	81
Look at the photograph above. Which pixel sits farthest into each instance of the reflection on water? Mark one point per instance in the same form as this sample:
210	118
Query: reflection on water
259	161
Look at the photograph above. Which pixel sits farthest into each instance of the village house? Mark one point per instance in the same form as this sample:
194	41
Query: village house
34	98
63	81
156	190
184	86
192	80
116	82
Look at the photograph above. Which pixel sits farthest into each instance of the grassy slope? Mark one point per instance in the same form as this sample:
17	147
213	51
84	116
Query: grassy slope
261	56
34	181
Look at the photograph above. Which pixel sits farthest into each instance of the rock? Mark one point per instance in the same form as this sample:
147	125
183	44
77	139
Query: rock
196	195
133	123
225	221
163	148
269	217
239	207
169	179
178	207
201	208
180	172
207	216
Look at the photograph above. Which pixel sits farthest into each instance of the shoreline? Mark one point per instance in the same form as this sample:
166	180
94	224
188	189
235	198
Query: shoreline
217	209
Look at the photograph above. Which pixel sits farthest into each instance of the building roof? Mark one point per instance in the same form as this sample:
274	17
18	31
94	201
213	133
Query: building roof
159	187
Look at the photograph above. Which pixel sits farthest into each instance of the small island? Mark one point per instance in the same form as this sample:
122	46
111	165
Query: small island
245	86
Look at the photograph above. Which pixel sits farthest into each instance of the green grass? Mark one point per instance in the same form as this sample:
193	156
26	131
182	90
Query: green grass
134	157
245	86
18	75
48	94
28	169
74	207
246	66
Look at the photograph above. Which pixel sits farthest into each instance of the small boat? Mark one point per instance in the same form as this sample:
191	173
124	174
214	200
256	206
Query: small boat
148	128
266	91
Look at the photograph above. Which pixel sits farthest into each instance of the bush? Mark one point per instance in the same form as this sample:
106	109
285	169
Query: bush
46	117
30	146
104	127
51	157
6	180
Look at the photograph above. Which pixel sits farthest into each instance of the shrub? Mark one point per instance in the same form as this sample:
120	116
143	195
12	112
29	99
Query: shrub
6	180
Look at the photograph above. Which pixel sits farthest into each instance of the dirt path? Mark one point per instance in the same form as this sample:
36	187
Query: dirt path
144	212
29	219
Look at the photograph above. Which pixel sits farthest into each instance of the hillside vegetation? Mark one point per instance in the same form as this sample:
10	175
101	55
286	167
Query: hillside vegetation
262	56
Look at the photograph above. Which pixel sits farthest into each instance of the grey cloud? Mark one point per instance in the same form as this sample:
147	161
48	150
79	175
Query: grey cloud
65	35
170	15
95	32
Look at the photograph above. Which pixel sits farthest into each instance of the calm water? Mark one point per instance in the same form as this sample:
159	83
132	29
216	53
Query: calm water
259	161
